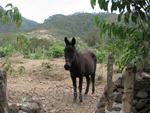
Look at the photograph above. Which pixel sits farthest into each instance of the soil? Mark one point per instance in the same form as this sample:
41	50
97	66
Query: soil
51	84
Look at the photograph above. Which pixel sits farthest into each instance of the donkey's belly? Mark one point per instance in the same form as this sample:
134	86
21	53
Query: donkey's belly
76	73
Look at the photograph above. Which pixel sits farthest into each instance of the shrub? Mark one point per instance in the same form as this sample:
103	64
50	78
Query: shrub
101	55
23	45
6	50
55	50
37	55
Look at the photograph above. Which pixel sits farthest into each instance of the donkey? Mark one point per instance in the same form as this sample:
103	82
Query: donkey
79	65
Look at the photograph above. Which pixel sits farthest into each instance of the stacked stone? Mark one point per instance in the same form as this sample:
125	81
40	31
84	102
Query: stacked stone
141	103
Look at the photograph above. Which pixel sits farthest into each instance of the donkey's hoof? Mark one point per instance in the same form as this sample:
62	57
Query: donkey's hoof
93	91
85	93
81	100
74	100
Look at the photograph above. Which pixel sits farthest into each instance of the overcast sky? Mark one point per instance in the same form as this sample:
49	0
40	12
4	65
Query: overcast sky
39	10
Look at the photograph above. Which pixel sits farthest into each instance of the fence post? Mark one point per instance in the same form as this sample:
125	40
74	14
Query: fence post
110	82
127	100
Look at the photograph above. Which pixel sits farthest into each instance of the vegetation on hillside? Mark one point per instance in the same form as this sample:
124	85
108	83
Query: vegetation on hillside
77	25
80	25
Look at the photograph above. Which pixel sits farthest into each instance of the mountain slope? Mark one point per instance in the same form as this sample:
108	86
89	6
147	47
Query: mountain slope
27	25
78	24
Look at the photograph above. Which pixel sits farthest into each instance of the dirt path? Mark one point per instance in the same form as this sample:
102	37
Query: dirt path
48	81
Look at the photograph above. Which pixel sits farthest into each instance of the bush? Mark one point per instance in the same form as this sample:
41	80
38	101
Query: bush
36	55
23	44
6	50
55	50
101	55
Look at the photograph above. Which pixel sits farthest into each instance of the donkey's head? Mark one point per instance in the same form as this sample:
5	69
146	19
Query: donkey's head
69	52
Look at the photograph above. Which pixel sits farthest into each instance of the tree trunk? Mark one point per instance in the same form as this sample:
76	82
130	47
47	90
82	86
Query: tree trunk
109	82
127	100
3	92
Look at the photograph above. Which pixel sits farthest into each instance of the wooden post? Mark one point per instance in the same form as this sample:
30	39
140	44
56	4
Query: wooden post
3	92
109	82
127	100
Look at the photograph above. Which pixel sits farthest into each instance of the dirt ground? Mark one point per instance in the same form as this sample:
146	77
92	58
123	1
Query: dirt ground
51	84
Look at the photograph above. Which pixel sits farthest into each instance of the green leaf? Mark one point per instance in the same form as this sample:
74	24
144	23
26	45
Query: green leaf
103	4
9	5
106	5
93	3
134	16
119	16
97	21
128	8
113	6
142	15
126	17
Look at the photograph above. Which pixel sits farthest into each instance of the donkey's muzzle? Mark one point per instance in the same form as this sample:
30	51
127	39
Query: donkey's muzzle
67	67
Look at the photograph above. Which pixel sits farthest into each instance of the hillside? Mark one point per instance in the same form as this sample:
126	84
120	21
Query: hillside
27	25
58	26
78	24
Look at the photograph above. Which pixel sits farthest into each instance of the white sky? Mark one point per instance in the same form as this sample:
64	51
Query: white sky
39	10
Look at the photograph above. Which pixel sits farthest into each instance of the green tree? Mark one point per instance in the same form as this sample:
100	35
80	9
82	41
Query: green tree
12	14
23	44
129	37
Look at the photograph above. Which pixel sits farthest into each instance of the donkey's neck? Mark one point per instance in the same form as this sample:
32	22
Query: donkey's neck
76	59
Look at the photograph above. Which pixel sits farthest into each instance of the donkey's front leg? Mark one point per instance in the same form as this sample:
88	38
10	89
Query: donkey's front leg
74	87
80	88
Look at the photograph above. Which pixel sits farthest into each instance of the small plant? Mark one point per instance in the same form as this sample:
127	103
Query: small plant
23	99
21	70
23	45
8	66
6	50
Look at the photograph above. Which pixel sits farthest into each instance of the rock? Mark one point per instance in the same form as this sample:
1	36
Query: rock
135	101
118	97
142	94
33	106
119	82
141	103
134	110
145	110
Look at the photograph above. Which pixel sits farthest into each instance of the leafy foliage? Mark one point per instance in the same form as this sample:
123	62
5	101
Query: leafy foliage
77	25
7	66
12	14
21	70
128	40
6	50
55	50
23	44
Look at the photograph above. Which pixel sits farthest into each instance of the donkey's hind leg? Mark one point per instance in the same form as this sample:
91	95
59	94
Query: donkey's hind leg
87	86
93	83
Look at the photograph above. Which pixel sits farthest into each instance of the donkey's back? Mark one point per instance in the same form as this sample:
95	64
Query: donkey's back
89	62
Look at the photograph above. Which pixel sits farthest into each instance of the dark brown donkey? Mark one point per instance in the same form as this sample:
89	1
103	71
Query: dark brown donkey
79	65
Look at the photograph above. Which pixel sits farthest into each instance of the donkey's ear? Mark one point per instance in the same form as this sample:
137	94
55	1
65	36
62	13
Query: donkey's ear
73	41
66	41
